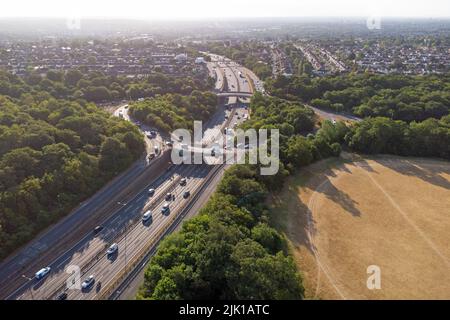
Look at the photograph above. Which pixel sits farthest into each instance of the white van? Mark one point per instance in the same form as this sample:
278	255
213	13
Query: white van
42	273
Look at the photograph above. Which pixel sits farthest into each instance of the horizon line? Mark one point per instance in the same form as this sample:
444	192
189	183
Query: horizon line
217	17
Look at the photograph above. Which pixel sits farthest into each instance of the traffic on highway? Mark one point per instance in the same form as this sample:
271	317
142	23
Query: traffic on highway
101	257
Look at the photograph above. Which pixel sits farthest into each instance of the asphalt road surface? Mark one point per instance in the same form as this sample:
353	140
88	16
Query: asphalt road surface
334	116
122	202
124	228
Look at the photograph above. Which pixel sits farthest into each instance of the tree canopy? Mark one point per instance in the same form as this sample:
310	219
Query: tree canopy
399	97
54	153
174	111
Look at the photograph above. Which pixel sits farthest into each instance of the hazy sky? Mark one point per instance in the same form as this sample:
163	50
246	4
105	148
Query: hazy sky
167	9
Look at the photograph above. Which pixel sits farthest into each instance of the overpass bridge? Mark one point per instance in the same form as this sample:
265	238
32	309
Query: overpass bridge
235	94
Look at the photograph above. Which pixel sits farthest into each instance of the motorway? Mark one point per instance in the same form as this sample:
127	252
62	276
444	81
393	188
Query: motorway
57	239
127	230
217	73
245	85
119	206
122	203
251	83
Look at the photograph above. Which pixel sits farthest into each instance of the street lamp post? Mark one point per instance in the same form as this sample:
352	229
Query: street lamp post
31	290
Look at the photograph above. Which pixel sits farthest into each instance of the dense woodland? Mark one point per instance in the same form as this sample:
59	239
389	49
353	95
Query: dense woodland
97	87
57	147
429	138
399	97
173	111
230	251
54	154
403	115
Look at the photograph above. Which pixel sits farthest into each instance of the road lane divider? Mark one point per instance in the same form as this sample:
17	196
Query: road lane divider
143	253
118	237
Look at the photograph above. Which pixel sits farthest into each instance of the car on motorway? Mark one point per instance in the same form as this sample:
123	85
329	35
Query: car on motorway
147	216
88	282
98	229
168	197
186	194
62	296
112	249
42	273
166	208
183	182
151	192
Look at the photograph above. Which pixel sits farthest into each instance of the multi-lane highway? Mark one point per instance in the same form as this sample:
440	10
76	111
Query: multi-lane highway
125	228
216	72
119	207
123	204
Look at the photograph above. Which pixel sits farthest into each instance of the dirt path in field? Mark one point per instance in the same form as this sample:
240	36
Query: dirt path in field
342	217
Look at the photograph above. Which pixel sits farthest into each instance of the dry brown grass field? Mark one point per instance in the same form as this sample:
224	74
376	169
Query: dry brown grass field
343	215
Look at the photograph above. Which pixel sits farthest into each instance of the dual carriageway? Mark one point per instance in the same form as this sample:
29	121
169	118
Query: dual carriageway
122	220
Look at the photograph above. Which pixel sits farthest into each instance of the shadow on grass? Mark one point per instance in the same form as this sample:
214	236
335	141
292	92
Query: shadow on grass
426	170
294	217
